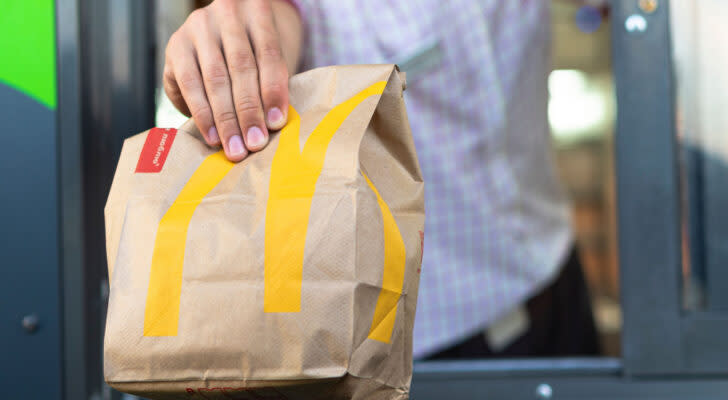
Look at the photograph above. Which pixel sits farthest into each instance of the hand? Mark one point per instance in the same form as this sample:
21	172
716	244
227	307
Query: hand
225	67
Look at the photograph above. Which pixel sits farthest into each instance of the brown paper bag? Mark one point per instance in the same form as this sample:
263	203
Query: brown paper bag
290	275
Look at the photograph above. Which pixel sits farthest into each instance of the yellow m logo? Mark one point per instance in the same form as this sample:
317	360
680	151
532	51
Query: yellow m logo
293	177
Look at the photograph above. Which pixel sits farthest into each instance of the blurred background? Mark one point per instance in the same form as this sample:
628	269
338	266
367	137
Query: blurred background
91	72
582	113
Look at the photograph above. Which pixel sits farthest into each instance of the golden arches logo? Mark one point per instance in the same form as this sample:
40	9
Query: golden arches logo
293	178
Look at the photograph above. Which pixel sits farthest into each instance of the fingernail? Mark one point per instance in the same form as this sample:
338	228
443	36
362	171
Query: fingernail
212	135
235	146
255	137
275	117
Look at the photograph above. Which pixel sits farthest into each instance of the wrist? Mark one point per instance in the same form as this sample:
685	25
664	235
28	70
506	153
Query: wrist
290	30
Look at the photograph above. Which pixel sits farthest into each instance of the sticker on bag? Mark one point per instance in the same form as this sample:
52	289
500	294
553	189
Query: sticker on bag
155	150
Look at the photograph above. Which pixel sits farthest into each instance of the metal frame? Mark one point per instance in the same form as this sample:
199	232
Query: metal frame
117	80
648	193
658	336
106	75
71	206
715	224
562	379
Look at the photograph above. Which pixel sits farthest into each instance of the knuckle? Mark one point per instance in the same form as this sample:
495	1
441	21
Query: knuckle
167	74
260	8
188	80
216	75
201	114
273	90
173	39
175	46
247	105
270	52
242	61
226	6
197	18
225	116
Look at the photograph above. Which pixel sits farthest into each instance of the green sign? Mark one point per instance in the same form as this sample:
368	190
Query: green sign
28	48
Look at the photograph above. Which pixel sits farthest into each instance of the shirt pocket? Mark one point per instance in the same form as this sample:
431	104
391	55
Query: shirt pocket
423	57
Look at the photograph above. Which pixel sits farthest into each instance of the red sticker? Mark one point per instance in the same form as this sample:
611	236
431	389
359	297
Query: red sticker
155	150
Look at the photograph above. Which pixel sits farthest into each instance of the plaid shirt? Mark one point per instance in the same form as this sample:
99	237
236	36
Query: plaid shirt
497	221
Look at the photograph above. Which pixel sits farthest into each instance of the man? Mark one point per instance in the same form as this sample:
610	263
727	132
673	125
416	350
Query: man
500	273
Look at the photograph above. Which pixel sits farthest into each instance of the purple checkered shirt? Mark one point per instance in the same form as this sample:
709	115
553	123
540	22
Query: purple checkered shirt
498	224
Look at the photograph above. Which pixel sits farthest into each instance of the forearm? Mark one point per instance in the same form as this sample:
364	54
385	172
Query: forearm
290	29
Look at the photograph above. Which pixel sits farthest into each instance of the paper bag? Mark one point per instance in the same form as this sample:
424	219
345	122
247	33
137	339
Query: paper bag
290	275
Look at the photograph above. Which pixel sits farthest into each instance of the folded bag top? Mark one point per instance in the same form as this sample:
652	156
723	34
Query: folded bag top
290	275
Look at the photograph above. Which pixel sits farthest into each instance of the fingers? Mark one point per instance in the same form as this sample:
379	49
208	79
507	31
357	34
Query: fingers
225	68
218	88
184	86
273	72
244	76
173	91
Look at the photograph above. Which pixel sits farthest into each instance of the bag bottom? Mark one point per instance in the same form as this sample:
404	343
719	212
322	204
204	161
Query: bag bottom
347	387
